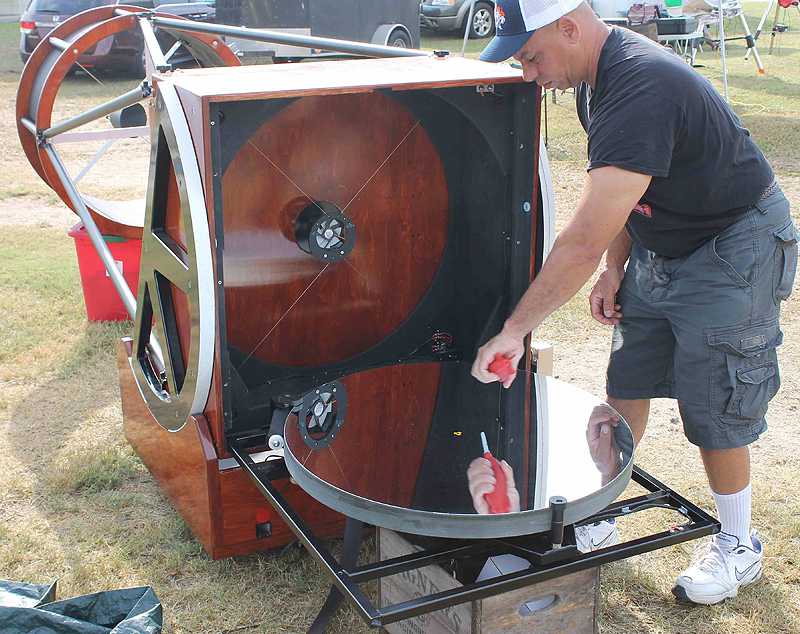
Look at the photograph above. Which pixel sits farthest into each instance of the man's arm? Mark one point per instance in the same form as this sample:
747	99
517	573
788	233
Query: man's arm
609	195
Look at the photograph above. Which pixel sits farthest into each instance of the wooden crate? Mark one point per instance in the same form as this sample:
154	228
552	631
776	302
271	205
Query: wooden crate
573	610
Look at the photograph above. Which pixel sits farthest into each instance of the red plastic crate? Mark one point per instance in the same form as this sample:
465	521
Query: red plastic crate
103	303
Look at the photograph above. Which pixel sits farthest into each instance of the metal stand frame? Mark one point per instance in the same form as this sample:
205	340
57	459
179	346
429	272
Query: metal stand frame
547	561
775	29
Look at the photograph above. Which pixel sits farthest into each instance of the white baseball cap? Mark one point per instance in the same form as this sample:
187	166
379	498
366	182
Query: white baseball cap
516	20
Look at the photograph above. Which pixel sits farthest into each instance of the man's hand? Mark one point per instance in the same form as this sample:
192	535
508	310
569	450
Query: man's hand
603	298
481	481
506	344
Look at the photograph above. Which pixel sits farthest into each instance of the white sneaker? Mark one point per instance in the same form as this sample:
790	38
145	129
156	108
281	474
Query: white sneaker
595	536
718	570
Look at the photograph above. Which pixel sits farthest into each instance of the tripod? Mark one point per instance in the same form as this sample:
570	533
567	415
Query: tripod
748	38
775	26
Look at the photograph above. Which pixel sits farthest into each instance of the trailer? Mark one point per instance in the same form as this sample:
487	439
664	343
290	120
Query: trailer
385	22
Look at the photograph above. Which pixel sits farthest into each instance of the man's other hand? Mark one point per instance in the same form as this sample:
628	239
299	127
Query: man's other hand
603	298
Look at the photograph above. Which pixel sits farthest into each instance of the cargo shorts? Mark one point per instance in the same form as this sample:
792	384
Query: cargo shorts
704	328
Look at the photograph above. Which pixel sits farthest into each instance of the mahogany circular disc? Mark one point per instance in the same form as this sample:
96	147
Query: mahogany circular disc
371	158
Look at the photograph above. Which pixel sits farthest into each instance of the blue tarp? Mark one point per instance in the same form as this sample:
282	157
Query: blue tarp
31	609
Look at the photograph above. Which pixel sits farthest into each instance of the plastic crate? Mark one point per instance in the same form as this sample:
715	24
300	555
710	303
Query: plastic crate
103	303
676	26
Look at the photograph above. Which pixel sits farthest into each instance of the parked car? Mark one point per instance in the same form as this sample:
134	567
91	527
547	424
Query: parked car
123	51
454	14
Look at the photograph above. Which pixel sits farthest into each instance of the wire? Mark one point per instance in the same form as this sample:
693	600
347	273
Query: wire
761	107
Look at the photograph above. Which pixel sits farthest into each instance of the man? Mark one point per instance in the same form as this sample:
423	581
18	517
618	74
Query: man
694	275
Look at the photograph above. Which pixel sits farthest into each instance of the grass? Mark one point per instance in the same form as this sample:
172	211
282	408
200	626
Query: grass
76	504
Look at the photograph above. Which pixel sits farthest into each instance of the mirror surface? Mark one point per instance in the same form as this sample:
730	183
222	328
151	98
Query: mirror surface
392	446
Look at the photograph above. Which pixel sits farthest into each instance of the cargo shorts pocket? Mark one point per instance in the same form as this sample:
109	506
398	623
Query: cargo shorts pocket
785	262
744	371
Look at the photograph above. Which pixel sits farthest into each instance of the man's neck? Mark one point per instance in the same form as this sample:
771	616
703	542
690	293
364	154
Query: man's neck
596	42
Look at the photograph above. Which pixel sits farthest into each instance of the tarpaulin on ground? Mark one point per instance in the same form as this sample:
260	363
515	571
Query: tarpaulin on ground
30	608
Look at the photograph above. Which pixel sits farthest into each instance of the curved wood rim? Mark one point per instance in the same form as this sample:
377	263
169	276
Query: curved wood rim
43	89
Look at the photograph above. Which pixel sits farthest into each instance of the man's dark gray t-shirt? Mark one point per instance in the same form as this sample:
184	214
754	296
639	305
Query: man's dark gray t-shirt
651	113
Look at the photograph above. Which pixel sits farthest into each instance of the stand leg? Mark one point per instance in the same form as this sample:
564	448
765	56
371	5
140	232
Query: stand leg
751	44
353	530
761	25
774	28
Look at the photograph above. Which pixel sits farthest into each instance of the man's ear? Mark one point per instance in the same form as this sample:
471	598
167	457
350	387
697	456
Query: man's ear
568	27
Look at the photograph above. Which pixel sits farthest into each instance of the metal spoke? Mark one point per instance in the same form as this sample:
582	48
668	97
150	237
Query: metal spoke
340	469
94	160
284	315
170	265
357	271
286	176
172	50
381	165
86	70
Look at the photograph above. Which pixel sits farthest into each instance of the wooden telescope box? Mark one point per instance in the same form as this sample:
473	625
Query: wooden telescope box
567	604
305	222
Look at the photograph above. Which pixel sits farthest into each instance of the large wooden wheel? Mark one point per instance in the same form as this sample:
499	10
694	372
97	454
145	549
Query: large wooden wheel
44	74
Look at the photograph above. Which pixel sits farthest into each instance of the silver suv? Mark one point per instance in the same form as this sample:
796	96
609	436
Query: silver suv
454	14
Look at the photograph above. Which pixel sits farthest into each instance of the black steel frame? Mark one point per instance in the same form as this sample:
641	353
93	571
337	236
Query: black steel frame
547	562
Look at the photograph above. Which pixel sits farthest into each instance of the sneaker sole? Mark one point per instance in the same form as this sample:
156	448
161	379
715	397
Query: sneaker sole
681	594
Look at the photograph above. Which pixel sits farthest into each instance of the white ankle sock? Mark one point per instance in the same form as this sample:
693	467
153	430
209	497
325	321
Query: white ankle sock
734	514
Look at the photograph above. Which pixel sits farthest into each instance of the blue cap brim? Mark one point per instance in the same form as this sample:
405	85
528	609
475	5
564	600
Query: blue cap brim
504	46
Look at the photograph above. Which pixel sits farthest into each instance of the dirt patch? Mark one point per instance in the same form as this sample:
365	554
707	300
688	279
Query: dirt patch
29	211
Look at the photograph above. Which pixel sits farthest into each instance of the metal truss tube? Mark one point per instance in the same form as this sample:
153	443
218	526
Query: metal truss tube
96	237
94	233
276	37
152	45
30	125
129	98
58	43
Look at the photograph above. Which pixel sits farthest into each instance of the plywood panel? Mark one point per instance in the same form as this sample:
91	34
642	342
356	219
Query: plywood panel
347	76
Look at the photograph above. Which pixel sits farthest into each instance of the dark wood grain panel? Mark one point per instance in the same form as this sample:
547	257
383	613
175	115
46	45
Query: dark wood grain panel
367	155
378	452
218	506
183	463
241	501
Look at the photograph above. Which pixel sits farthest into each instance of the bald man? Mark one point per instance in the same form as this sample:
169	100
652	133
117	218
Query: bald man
700	251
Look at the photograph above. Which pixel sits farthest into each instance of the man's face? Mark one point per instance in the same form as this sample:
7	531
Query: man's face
544	59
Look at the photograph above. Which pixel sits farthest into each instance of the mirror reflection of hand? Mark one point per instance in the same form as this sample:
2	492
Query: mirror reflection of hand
602	444
481	481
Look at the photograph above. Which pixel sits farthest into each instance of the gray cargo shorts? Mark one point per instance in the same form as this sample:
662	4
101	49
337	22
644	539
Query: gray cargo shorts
704	328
